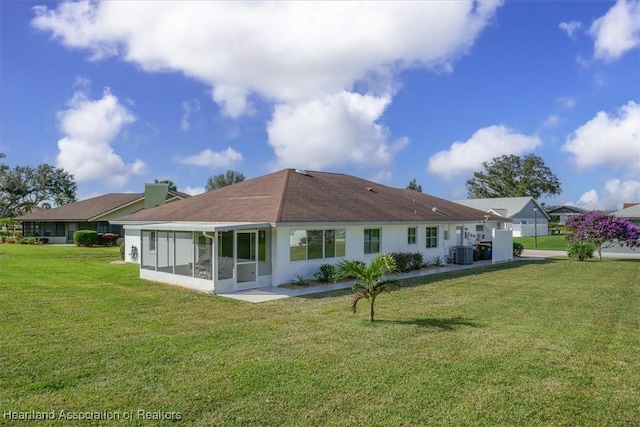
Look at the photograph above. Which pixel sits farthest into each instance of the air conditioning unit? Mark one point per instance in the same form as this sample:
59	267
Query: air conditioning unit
463	255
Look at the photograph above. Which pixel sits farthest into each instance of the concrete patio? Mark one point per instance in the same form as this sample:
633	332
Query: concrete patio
274	293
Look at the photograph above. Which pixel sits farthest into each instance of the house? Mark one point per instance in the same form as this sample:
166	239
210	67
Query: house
58	224
529	218
630	211
563	212
263	231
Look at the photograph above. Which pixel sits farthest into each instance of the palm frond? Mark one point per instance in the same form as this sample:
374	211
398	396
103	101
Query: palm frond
385	285
360	294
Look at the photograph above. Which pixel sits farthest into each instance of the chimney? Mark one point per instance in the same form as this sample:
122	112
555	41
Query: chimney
155	194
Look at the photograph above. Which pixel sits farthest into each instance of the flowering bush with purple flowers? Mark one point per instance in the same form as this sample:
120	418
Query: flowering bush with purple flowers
604	231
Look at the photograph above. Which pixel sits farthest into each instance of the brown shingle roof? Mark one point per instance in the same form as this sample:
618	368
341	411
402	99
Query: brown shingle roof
83	210
288	196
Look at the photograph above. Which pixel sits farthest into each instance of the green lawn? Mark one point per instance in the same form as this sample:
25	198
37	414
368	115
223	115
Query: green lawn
552	243
552	343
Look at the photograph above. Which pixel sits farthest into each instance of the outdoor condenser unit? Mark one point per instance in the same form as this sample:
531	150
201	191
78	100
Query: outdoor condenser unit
464	255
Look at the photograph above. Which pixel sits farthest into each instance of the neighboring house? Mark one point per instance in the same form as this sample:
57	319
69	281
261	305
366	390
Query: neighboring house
529	218
58	224
263	231
631	211
564	212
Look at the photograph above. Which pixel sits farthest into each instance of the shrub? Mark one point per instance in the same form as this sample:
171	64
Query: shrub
517	249
580	250
300	280
85	237
325	273
437	261
407	261
43	240
107	239
28	241
122	250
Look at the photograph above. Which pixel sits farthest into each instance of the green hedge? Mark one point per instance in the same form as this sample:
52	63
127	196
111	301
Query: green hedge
85	237
408	261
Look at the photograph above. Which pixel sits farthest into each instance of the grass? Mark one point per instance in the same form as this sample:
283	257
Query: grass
552	243
551	343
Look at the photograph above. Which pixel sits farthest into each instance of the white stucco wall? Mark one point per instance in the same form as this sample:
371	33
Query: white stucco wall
132	238
393	238
178	280
530	230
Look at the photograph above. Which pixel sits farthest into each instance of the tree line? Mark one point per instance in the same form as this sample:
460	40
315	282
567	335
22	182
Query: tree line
23	188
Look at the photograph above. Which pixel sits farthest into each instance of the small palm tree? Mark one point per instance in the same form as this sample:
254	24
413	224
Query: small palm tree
370	279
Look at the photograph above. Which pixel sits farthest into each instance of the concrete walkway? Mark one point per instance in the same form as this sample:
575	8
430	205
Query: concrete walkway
274	293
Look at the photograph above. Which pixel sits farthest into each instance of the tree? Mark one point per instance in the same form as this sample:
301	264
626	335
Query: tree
172	186
223	179
512	176
554	223
370	280
413	185
24	187
602	230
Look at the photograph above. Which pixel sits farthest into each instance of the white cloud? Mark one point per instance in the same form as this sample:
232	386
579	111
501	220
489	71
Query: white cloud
300	56
487	143
381	176
551	121
570	28
615	193
336	130
192	191
209	158
588	200
188	108
623	191
608	140
618	31
89	127
303	50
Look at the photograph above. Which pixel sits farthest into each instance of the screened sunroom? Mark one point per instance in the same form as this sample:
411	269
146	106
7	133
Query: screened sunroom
212	257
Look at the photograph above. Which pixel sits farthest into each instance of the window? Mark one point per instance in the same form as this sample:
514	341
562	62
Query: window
148	255
340	242
225	255
264	252
432	237
411	235
371	240
183	253
316	244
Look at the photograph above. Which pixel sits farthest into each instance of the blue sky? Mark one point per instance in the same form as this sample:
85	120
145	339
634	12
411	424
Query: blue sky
122	93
